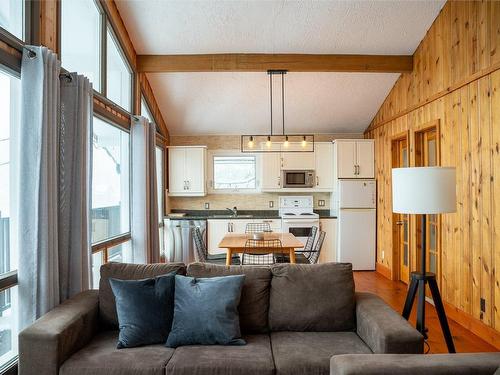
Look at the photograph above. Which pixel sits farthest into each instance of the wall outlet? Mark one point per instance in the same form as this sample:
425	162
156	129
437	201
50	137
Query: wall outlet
321	203
271	204
207	206
383	254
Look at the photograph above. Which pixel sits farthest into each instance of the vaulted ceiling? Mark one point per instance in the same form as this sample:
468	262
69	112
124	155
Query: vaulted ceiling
235	103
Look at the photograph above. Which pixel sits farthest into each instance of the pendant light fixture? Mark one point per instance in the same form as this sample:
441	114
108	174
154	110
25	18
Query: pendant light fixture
277	142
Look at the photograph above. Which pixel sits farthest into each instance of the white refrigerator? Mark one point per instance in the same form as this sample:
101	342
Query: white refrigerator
357	223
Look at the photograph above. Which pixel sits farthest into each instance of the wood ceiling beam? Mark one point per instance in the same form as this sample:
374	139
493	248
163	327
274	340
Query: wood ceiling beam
252	62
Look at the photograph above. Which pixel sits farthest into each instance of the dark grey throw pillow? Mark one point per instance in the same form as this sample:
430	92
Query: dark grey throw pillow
145	309
206	311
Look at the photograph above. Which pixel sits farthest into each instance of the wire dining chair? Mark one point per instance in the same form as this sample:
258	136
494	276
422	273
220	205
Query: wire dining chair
302	256
202	252
260	259
314	255
257	227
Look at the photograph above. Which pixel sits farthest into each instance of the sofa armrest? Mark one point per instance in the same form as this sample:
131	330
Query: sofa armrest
403	364
383	329
53	338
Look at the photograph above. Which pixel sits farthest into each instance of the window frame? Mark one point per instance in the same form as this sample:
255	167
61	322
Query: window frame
105	23
104	245
229	153
9	280
12	40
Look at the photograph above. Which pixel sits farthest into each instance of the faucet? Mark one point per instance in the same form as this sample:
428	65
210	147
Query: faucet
234	210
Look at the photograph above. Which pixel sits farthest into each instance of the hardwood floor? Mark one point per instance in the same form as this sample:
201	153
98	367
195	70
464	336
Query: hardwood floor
394	293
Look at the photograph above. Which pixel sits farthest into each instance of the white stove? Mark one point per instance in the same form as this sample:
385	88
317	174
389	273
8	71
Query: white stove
297	215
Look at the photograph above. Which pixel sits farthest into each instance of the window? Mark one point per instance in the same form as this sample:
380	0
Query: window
118	76
12	17
110	181
81	39
145	112
234	172
10	110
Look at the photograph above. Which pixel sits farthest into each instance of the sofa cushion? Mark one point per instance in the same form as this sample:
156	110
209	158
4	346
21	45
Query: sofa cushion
101	357
254	302
145	309
312	297
297	353
124	271
254	358
206	311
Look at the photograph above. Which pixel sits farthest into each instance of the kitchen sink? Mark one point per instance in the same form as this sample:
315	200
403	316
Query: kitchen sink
232	216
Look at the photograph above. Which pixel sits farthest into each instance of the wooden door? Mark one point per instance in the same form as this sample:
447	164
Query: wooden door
346	159
176	165
365	151
401	222
427	155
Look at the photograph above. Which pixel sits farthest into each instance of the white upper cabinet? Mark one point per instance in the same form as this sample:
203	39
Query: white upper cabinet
271	170
365	151
323	153
296	160
187	170
354	158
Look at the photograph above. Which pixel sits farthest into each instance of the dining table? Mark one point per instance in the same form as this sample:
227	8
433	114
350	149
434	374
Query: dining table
237	243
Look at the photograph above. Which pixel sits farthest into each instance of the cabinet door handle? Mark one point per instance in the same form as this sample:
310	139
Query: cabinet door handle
228	229
355	169
317	181
279	181
358	169
232	227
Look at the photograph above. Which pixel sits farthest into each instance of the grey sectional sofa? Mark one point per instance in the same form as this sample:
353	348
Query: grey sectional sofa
293	317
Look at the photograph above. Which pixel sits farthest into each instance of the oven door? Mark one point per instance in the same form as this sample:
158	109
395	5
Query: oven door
300	228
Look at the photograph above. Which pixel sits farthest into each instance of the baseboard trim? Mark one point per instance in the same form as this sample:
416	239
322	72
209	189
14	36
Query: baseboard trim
383	270
474	325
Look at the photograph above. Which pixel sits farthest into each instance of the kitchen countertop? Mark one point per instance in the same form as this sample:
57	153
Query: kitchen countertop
255	214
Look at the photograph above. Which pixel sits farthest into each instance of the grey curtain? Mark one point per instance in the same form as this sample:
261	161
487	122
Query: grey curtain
145	237
74	185
52	235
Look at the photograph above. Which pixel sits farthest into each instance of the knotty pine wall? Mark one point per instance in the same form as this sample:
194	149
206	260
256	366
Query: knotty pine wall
455	82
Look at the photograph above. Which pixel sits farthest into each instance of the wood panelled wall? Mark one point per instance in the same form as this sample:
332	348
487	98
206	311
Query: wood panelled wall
456	83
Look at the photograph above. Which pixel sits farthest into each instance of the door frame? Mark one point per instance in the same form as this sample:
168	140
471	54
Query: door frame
396	258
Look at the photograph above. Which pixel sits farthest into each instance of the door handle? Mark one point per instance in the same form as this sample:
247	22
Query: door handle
317	181
355	169
358	169
400	222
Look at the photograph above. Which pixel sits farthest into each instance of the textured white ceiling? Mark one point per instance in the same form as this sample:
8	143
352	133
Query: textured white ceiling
238	103
234	103
277	26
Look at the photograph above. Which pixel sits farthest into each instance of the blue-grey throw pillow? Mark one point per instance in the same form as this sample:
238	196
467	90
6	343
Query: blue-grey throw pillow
145	309
206	311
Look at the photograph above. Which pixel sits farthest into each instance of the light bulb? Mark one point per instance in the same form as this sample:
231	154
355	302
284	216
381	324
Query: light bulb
304	142
268	142
250	142
286	141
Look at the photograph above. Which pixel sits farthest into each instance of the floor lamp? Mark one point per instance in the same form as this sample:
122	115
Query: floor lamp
425	190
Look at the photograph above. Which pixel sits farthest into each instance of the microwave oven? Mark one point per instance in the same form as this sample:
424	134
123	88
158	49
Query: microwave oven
298	179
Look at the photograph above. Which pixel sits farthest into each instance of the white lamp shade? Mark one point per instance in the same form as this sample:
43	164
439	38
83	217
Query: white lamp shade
424	190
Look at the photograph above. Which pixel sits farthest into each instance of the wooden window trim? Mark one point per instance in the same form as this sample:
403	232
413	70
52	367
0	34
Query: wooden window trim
110	242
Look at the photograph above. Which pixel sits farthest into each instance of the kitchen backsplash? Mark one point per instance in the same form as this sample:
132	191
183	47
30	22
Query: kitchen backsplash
242	201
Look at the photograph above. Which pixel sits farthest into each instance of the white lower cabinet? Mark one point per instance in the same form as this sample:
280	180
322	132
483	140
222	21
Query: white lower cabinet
328	251
218	228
